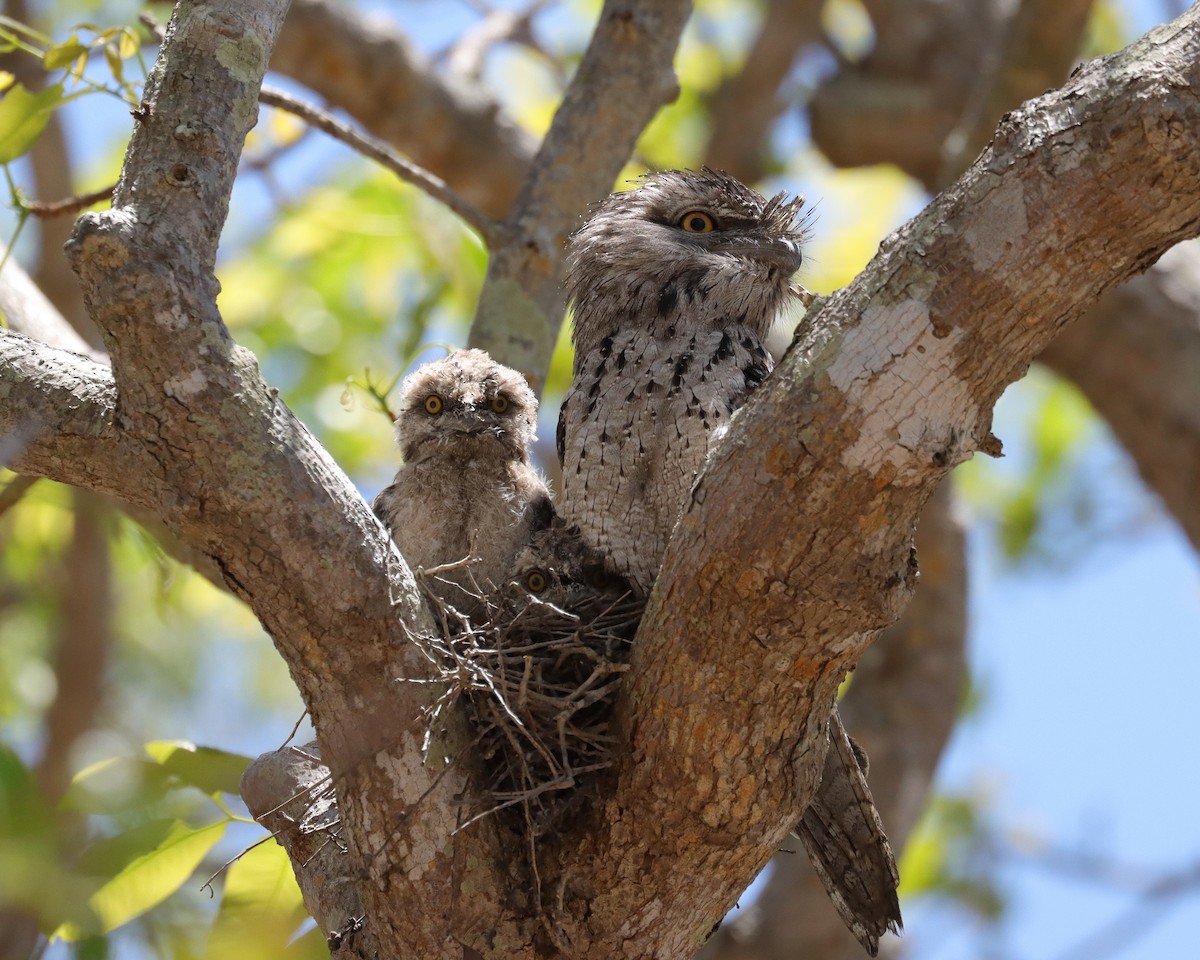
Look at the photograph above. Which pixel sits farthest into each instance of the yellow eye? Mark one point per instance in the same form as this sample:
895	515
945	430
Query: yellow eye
433	405
697	221
500	403
536	581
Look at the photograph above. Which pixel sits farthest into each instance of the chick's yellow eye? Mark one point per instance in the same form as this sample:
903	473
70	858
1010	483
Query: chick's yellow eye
499	403
433	404
697	221
536	581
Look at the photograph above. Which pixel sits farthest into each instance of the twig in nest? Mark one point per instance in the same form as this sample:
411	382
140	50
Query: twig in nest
540	679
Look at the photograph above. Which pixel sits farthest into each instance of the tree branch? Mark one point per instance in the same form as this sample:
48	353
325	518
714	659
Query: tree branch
1147	329
365	65
902	705
385	156
749	102
624	77
27	310
237	476
930	113
744	642
1136	357
57	419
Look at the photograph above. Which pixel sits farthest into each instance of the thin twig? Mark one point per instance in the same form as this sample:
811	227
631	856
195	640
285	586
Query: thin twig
225	866
383	154
294	729
45	209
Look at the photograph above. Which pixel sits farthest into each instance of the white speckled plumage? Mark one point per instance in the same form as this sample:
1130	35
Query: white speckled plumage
669	330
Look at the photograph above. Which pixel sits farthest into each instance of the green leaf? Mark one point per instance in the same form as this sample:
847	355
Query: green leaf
261	906
107	857
113	58
117	785
207	768
21	809
23	117
32	876
310	946
169	855
64	54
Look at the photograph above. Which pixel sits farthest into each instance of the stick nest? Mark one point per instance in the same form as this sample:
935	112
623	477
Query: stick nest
541	677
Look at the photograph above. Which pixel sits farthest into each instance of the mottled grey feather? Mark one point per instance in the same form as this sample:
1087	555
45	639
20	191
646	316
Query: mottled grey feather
844	838
669	329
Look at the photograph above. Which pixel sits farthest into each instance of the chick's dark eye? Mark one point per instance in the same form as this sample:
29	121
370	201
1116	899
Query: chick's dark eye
697	221
500	403
433	405
536	581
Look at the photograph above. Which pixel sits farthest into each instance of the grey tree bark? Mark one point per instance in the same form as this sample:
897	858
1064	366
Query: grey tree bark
889	386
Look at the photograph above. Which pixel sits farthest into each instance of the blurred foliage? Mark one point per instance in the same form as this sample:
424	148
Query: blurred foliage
1053	493
950	855
1107	30
152	822
350	283
339	278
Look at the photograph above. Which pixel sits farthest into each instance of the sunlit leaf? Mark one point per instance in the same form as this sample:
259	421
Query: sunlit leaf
207	768
128	44
261	906
33	877
112	57
64	54
23	117
116	785
943	856
162	859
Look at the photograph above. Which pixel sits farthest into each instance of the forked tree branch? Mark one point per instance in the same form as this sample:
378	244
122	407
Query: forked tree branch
747	635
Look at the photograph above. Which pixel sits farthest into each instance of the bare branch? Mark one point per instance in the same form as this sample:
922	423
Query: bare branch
27	310
13	491
744	643
902	706
84	642
624	77
237	476
467	56
56	420
73	204
365	65
931	114
748	103
1135	355
306	824
1044	38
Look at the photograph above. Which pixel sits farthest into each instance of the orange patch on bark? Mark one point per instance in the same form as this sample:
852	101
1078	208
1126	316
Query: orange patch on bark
750	583
781	463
